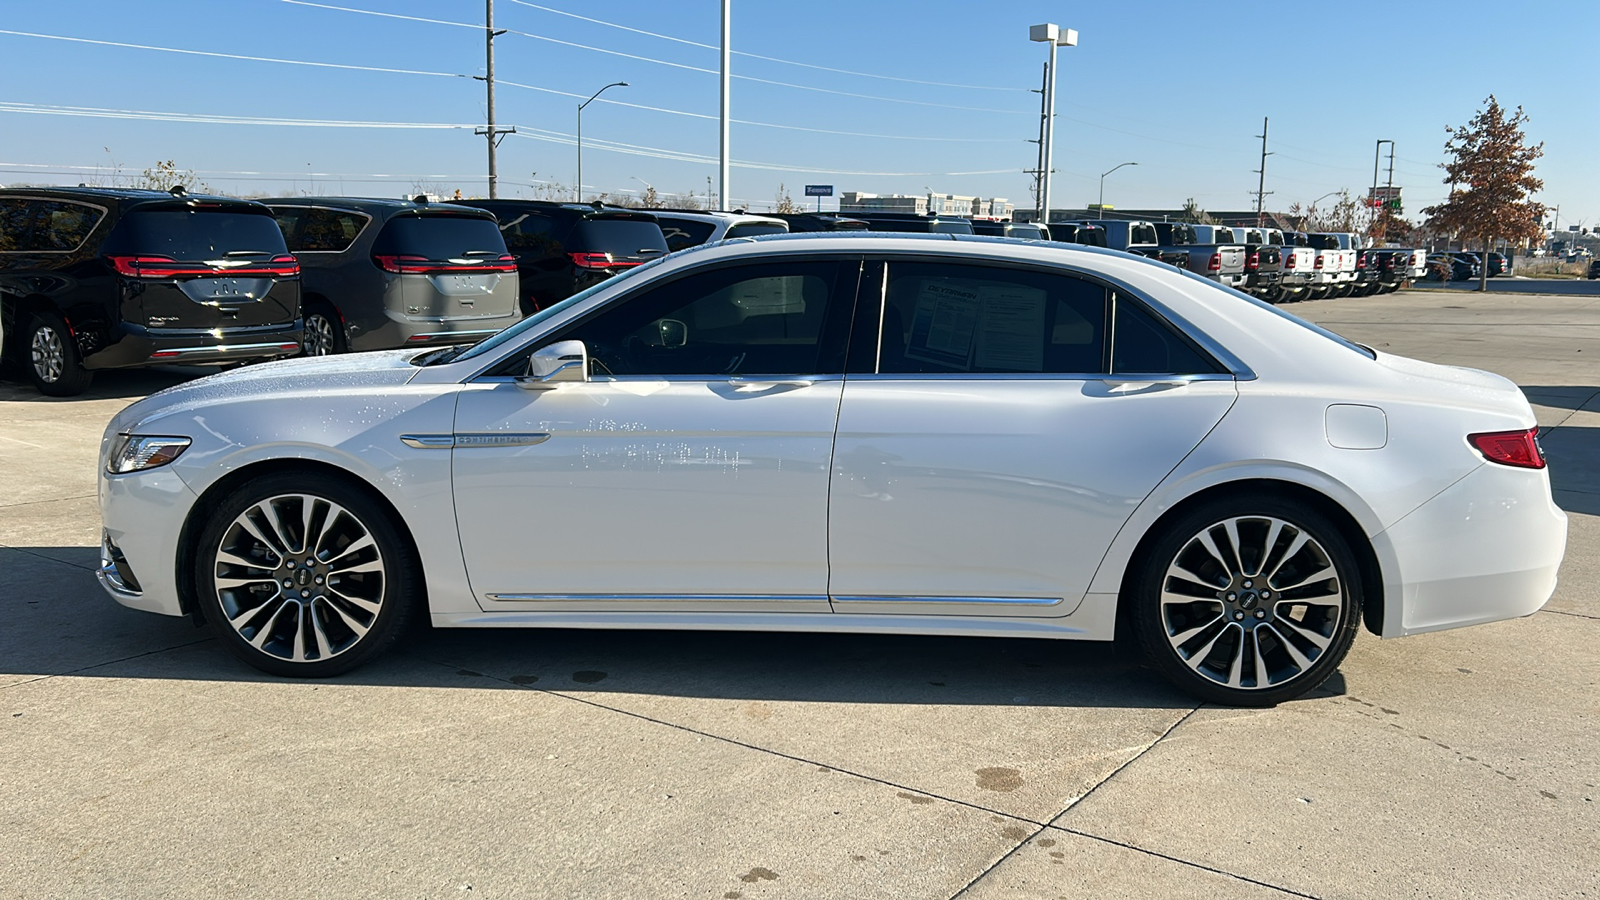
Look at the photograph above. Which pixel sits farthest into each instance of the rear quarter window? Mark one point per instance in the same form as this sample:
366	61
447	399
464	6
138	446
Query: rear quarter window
436	237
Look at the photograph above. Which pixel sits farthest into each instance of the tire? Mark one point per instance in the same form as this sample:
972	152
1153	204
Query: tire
50	354
324	334
306	627
1205	642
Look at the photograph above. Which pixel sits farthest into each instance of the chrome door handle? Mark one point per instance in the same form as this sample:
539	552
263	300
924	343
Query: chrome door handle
1127	387
748	385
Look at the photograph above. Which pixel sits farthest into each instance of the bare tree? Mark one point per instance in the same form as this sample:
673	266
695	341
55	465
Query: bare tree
165	175
784	203
1490	174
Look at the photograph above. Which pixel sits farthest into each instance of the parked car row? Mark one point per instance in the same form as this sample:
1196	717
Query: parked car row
1462	266
94	278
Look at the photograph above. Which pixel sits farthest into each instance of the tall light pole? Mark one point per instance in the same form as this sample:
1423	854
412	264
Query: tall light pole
1103	186
722	164
1372	204
1055	36
578	188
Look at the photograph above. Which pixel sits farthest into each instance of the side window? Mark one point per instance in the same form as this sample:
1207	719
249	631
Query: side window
1144	345
329	230
288	218
63	225
941	318
16	219
531	234
765	319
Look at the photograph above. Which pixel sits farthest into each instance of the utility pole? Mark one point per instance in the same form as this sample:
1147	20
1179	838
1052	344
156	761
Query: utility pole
722	165
1383	232
1261	191
492	133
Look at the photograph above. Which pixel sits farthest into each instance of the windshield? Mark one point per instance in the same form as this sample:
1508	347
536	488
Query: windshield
752	229
681	233
189	234
622	236
1146	234
952	226
534	321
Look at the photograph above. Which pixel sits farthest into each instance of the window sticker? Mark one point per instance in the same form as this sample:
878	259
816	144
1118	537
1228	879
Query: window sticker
944	322
1011	328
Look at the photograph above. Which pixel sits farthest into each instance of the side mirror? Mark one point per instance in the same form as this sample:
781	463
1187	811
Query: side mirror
673	332
560	363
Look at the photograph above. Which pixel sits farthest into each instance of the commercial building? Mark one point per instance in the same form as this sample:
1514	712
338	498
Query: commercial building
927	204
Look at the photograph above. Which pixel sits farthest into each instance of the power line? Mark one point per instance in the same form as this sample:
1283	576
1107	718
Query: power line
787	62
661	62
531	87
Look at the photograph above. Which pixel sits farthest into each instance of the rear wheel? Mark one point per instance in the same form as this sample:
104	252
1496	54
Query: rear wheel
304	575
1248	601
324	330
54	364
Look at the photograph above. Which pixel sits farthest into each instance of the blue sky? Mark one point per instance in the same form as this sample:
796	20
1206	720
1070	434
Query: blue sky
1164	84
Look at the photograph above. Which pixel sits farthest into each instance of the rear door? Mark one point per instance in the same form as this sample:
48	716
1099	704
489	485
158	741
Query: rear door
985	456
451	266
203	264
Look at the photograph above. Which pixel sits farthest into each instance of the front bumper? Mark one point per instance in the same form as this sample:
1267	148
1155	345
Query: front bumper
133	345
1487	548
142	515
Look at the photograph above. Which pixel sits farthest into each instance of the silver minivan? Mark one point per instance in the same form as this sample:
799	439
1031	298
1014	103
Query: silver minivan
379	274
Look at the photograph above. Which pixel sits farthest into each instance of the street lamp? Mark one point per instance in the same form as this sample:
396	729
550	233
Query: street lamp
1103	186
578	188
1055	36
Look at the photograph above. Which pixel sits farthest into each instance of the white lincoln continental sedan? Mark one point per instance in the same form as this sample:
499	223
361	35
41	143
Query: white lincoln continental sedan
930	434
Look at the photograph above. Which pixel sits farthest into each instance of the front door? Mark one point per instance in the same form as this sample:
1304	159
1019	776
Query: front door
689	474
988	455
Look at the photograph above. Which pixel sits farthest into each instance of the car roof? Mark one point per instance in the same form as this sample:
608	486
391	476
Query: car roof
121	195
701	215
549	205
385	206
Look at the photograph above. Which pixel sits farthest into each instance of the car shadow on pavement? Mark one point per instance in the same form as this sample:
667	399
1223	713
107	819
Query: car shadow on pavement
59	622
1560	396
1573	453
111	384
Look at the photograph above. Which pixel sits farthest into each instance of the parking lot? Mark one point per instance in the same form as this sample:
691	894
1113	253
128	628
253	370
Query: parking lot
139	759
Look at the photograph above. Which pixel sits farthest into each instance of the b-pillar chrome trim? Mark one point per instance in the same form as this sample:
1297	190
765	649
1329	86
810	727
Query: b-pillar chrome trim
475	439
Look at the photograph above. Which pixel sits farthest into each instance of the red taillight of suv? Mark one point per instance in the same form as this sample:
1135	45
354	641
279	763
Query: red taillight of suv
1215	265
1510	448
281	266
421	265
599	261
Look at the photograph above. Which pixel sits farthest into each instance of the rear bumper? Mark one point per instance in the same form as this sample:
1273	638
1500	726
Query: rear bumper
1487	548
133	345
405	331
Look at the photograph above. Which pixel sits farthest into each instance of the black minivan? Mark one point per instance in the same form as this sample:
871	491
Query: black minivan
563	248
99	278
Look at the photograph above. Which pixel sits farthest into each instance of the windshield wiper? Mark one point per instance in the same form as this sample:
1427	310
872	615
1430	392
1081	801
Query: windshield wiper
442	355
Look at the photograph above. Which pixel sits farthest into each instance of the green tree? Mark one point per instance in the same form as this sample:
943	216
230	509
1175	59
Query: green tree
1490	173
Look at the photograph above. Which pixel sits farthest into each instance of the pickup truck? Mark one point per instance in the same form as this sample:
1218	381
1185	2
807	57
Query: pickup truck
1073	233
1298	267
1207	250
1393	267
1324	266
1138	238
1343	258
1263	263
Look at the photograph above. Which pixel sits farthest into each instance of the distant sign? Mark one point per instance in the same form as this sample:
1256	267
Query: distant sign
819	190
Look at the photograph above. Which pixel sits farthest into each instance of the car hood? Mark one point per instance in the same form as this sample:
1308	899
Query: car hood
308	376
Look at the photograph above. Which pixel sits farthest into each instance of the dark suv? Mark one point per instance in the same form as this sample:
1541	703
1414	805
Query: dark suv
813	221
396	273
897	221
99	278
563	248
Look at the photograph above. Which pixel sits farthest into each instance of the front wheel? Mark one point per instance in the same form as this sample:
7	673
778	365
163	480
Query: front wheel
304	575
1247	601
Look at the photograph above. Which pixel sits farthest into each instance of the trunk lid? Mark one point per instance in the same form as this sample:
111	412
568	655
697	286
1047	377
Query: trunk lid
446	265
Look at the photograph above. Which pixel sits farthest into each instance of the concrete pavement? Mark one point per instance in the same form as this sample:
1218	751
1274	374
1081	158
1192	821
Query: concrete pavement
137	759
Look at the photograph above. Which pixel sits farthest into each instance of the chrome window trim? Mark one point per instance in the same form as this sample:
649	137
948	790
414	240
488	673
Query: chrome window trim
1131	378
1004	601
104	211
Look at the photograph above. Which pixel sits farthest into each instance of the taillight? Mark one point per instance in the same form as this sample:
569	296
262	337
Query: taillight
1253	262
1216	263
1288	261
1361	261
1318	264
598	261
1510	448
283	265
421	265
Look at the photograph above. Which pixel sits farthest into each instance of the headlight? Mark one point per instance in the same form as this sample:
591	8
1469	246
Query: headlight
137	452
